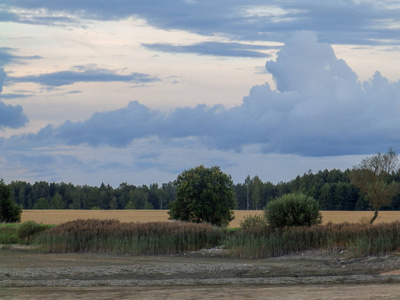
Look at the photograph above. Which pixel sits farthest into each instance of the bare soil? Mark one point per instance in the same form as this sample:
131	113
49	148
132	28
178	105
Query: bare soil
206	274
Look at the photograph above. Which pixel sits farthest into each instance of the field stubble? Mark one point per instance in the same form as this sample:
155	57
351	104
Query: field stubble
61	216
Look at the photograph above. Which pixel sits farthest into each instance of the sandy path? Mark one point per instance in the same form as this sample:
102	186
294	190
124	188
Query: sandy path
334	291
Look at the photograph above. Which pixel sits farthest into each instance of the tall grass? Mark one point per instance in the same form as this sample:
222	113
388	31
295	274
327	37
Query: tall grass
360	240
112	236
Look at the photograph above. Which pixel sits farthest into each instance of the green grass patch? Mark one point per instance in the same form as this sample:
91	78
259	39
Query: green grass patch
24	233
8	233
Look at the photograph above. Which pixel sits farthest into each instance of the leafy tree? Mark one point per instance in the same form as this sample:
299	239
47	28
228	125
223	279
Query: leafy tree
256	187
41	203
139	197
204	195
114	203
373	176
293	210
57	202
130	205
10	212
247	183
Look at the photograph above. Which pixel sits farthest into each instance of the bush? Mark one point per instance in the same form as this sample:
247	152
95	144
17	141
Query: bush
28	230
293	210
251	221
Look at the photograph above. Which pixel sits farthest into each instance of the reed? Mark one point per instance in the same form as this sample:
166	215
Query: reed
359	240
112	236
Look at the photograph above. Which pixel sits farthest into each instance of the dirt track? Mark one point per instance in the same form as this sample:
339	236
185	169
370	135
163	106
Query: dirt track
25	274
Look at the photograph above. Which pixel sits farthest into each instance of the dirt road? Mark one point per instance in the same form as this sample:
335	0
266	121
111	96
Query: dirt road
26	274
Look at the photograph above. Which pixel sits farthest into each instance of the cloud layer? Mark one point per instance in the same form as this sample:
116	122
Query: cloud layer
83	74
360	22
214	48
319	109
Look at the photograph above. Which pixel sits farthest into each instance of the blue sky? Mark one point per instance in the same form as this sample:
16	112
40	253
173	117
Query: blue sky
138	91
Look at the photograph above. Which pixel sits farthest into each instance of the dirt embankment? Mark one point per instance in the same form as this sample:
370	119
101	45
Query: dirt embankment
21	268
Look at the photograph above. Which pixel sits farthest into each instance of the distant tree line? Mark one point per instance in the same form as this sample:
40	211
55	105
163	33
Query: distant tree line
43	195
332	189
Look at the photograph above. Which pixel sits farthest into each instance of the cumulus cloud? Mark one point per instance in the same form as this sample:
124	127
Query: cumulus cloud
83	74
361	22
320	108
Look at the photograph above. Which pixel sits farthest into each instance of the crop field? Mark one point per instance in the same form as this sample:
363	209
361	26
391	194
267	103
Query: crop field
61	216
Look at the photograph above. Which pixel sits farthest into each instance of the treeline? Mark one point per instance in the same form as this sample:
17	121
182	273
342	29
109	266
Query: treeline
43	195
332	189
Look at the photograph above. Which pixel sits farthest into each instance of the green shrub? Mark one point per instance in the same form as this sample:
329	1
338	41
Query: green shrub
8	233
251	221
293	210
28	230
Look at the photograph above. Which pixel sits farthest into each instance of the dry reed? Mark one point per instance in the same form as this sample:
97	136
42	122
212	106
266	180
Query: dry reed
358	239
113	236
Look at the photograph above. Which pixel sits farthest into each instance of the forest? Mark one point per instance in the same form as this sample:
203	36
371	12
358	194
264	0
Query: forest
331	188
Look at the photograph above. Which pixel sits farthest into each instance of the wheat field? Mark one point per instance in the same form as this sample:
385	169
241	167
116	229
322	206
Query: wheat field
140	215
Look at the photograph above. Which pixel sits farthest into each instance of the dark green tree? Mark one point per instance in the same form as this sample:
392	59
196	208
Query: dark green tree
204	195
10	212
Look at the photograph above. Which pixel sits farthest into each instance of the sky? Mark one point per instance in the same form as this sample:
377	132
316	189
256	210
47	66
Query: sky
139	91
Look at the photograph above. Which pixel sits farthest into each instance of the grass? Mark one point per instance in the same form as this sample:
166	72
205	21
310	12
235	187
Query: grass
112	236
163	237
23	233
8	233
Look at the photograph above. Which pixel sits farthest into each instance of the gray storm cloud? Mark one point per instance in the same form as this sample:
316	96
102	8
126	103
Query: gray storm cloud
320	108
361	22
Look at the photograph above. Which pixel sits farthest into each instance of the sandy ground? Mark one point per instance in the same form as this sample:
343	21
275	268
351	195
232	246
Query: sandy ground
332	291
26	274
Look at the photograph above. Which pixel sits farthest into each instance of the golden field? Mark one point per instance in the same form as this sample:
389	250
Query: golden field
140	215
